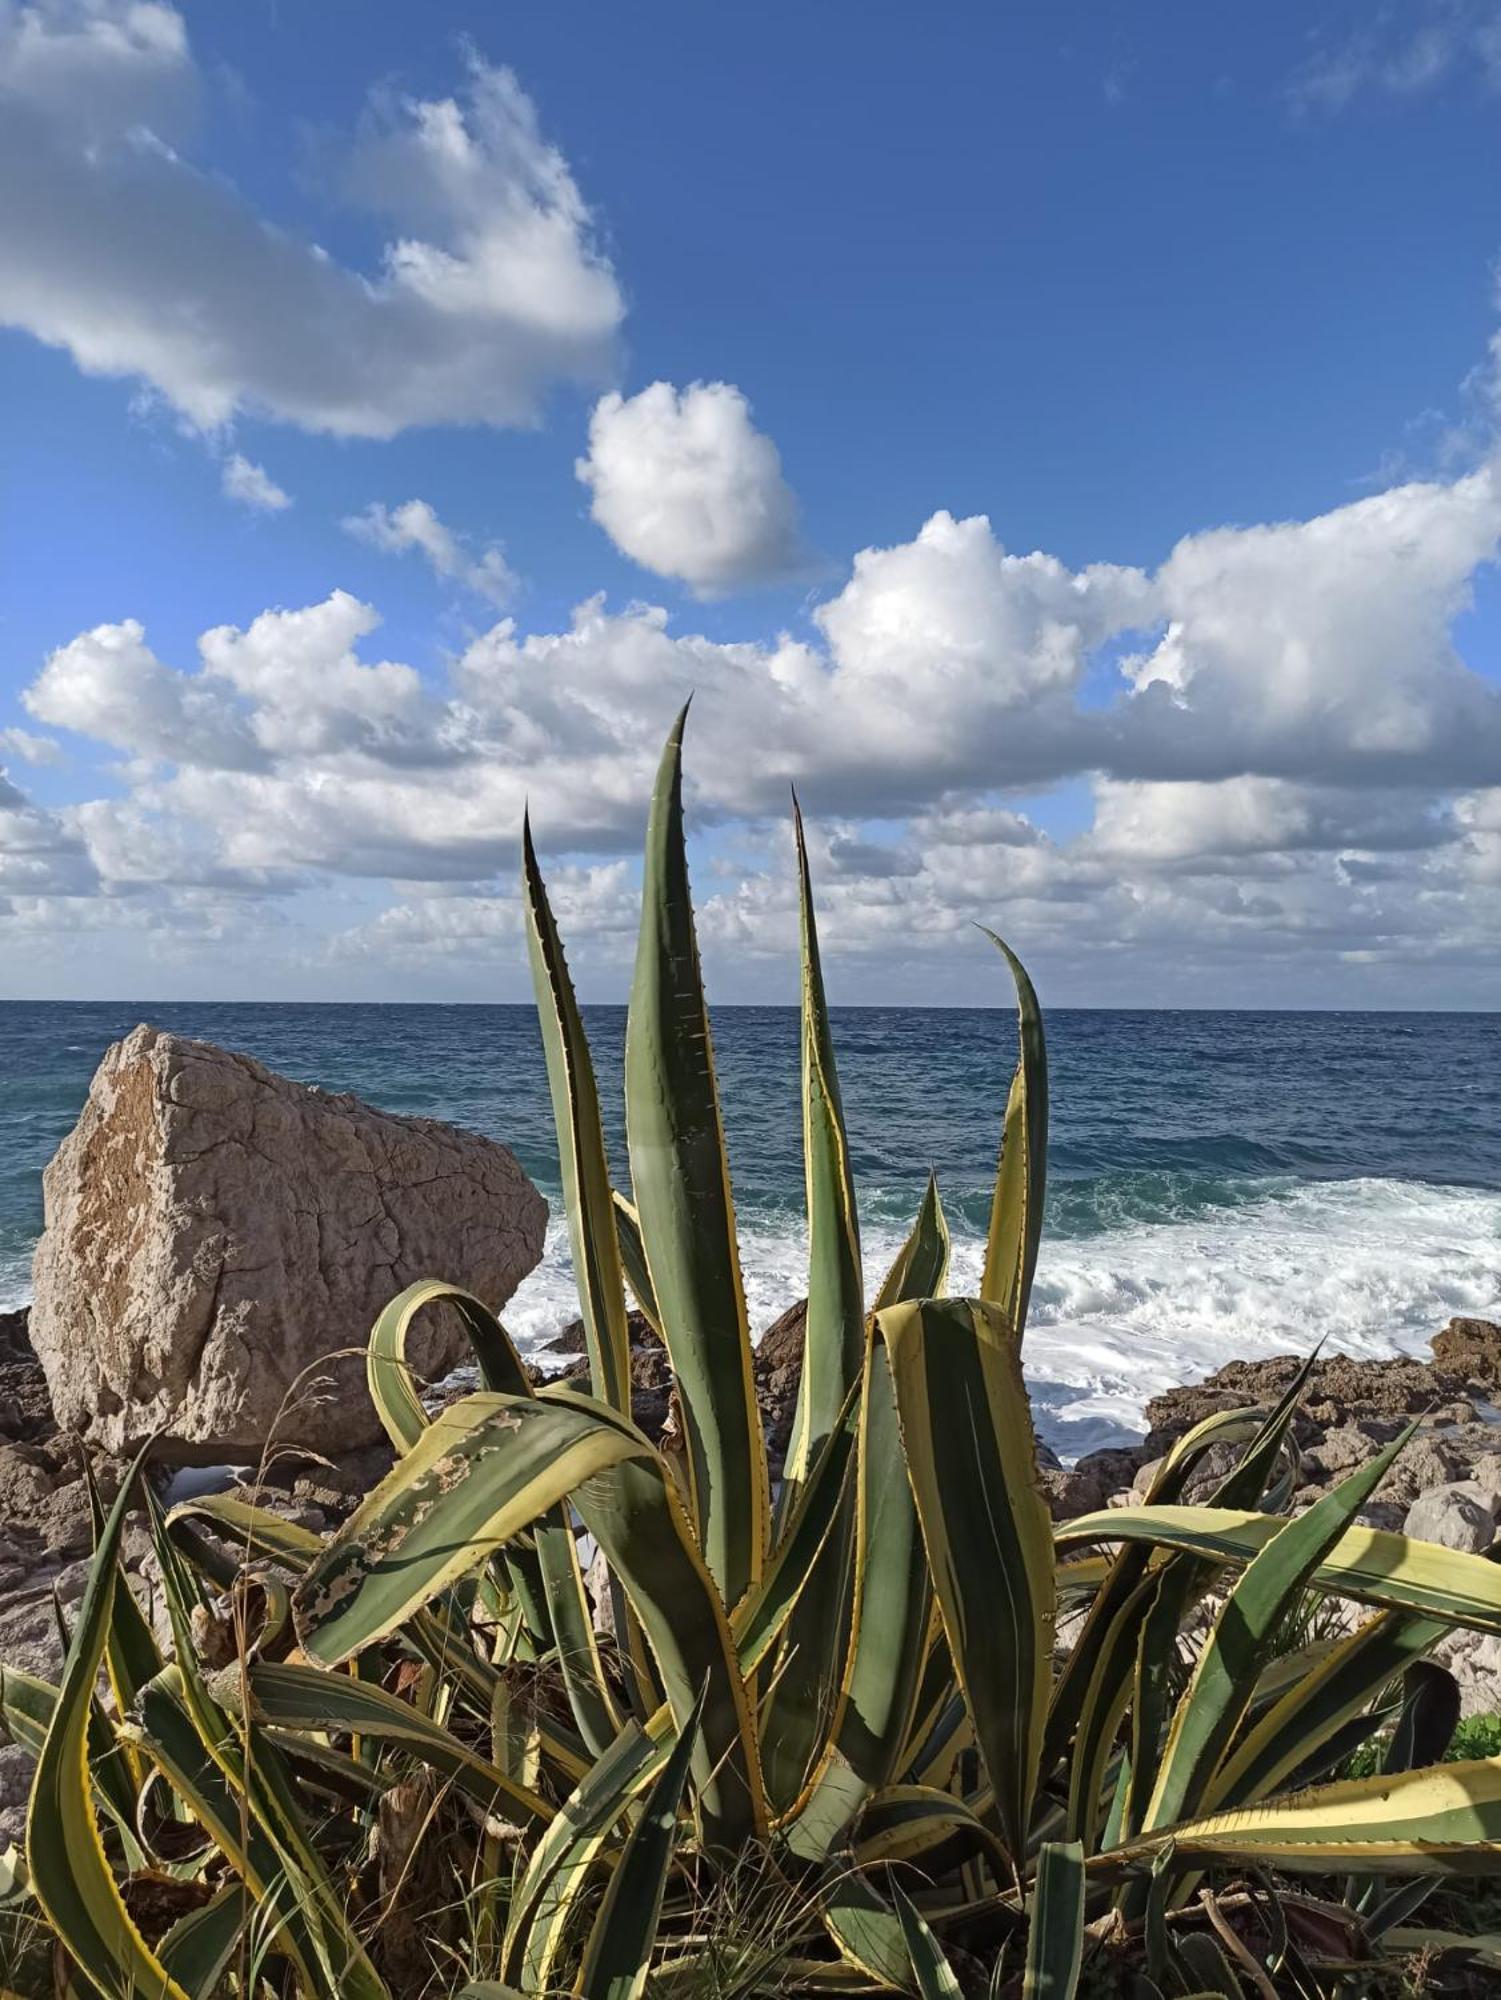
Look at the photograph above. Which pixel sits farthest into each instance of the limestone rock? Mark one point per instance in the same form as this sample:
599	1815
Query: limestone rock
1472	1348
1459	1516
214	1232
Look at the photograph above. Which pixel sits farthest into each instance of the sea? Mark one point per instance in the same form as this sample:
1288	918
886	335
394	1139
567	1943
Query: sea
1222	1185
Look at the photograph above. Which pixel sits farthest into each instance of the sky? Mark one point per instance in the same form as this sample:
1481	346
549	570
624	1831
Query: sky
1062	441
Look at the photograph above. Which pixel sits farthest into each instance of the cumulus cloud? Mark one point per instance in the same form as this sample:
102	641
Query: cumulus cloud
415	526
252	486
1271	741
685	485
116	248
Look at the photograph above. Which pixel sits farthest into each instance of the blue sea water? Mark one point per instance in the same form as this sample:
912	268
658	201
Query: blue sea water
1223	1184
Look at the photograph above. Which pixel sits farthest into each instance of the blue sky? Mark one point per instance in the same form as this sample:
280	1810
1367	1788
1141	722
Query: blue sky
1061	439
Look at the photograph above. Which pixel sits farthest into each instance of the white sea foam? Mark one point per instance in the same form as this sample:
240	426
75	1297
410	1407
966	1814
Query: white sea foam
1372	1267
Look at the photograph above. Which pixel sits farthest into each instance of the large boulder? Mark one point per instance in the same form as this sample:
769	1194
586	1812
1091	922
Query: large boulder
215	1232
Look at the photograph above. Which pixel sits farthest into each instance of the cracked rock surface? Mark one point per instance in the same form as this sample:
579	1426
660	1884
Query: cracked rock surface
215	1233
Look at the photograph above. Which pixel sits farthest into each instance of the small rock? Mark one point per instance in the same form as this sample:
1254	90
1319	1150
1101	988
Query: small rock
1471	1348
1458	1516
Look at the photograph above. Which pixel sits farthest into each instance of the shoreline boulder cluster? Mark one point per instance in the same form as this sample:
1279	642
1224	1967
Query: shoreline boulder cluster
218	1240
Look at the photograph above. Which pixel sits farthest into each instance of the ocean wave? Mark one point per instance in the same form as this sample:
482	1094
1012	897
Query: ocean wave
1371	1267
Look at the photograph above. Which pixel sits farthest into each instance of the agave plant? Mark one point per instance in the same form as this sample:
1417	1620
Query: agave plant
884	1727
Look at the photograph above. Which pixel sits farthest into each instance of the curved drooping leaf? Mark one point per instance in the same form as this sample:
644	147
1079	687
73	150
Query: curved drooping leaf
1368	1564
971	1455
390	1375
1021	1178
585	1171
681	1183
69	1873
487	1468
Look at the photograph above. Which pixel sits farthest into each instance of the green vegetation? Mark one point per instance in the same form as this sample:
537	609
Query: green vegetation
887	1729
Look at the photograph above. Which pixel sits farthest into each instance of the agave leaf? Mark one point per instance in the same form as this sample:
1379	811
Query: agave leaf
581	1145
311	1698
69	1873
488	1467
875	1699
1444	1820
904	1822
866	1930
934	1975
834	1340
1242	1639
560	1862
921	1268
27	1706
619	1951
1368	1564
1055	1934
633	1259
1319	1703
681	1181
131	1654
200	1947
390	1375
971	1456
1021	1177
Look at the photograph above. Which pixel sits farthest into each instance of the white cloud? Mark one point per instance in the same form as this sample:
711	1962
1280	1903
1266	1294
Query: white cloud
29	748
252	486
1401	53
113	246
685	485
1273	743
415	525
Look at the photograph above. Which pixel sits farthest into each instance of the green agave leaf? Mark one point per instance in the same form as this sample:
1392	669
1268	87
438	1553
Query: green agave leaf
390	1374
866	1930
312	1698
921	1268
1055	1934
934	1975
834	1341
876	1697
1444	1820
966	1425
199	1948
490	1466
619	1951
592	1233
1243	1637
680	1178
1021	1178
560	1863
1368	1564
69	1873
633	1259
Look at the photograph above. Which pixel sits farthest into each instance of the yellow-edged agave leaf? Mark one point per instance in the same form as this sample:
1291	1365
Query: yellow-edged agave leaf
834	1339
390	1375
921	1267
312	1698
27	1706
166	1731
966	1426
487	1468
931	1969
680	1178
1055	1931
633	1259
69	1873
1242	1639
1367	1564
1021	1178
865	1929
547	1895
905	1822
1444	1820
1321	1701
875	1698
592	1233
200	1947
619	1951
